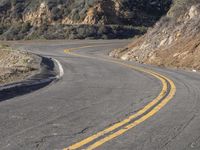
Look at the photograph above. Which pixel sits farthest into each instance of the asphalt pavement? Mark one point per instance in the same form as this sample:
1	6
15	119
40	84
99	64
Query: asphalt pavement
97	93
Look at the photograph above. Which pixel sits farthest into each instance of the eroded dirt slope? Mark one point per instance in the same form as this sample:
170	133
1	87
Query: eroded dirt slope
174	41
16	65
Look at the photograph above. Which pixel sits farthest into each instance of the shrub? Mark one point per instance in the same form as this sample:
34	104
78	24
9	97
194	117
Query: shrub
56	13
26	27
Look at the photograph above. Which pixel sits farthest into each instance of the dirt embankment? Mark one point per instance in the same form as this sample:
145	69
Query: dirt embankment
16	65
173	42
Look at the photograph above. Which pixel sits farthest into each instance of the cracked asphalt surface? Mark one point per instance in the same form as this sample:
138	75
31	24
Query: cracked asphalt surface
95	94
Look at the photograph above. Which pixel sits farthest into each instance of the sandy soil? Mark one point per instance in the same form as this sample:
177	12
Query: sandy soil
16	65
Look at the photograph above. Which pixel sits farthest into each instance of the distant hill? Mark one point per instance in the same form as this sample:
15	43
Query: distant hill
59	19
174	40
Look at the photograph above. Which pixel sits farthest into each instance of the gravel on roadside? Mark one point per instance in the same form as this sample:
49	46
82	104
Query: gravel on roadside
16	65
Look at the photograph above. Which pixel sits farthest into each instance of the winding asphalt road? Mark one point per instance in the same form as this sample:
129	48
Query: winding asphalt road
103	103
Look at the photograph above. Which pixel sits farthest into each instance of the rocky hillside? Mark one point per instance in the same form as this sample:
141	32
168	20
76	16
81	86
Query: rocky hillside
50	19
174	41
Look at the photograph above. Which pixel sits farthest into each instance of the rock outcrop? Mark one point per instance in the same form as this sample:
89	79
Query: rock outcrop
174	41
21	19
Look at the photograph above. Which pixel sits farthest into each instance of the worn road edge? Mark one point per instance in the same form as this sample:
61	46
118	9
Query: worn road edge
50	70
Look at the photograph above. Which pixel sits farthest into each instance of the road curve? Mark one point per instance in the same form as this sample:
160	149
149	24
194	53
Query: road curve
140	107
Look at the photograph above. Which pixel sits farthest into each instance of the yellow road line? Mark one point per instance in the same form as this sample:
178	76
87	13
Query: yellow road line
127	120
87	46
137	122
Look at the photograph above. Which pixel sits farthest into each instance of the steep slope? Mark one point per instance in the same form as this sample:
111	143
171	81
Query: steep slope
78	18
174	41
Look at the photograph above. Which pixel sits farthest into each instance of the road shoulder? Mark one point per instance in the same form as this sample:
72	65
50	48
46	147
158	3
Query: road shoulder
25	72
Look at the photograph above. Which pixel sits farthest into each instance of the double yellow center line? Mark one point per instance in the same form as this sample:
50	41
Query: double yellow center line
166	94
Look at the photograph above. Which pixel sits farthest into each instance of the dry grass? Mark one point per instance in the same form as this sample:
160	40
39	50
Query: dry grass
173	42
185	53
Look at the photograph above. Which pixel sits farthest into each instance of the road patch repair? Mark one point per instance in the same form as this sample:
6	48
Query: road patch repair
111	132
23	72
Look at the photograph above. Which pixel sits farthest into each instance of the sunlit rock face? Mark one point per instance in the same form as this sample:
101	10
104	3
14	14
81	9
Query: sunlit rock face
173	41
44	13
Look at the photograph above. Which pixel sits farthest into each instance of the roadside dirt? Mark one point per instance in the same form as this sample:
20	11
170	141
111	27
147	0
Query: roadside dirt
16	65
173	42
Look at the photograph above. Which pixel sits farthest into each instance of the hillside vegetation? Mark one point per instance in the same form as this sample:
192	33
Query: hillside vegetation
173	41
78	19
